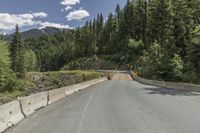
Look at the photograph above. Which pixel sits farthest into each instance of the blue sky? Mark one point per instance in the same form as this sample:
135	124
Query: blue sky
57	13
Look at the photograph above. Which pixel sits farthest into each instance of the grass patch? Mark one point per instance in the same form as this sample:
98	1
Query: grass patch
9	96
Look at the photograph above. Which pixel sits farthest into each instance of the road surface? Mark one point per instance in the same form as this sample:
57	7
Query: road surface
118	106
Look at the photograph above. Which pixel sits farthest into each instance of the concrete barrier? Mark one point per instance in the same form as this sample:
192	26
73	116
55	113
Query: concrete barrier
165	84
74	88
192	87
56	95
144	81
70	90
138	79
31	103
174	85
159	83
148	82
87	84
10	115
91	82
83	85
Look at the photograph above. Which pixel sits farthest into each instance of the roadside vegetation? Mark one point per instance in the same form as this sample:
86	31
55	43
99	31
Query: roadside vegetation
45	81
91	63
160	39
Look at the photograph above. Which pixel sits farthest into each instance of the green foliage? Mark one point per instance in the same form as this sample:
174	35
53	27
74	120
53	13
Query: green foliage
17	55
135	45
5	62
177	67
196	35
90	63
193	50
151	61
8	80
7	77
52	52
184	23
190	74
30	61
73	65
6	97
157	65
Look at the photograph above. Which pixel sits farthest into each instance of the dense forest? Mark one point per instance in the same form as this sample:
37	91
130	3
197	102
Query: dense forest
158	38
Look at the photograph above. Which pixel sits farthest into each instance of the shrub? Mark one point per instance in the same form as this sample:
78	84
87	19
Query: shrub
190	74
150	61
176	67
73	65
30	61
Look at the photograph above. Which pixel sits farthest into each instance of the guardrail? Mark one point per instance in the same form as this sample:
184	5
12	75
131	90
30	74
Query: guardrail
166	84
14	112
10	115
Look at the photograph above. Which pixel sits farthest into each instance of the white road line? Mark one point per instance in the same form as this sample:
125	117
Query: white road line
83	114
86	107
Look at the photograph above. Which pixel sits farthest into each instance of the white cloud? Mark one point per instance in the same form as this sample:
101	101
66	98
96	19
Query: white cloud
9	21
40	14
77	15
56	25
68	8
70	2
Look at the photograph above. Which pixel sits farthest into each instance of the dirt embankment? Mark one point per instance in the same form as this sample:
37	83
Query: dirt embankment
38	82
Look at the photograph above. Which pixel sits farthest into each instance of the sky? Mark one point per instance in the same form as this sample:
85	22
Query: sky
29	14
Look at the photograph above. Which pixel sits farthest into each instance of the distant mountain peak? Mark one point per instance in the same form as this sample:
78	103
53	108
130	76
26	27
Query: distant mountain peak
36	33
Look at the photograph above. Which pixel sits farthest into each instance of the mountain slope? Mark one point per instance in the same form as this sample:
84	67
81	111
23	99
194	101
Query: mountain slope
35	33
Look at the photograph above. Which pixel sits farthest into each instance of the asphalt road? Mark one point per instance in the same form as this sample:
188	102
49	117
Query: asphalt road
118	107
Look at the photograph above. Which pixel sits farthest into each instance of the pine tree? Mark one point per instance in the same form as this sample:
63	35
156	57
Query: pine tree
141	20
161	23
99	30
183	26
108	33
17	54
94	29
118	15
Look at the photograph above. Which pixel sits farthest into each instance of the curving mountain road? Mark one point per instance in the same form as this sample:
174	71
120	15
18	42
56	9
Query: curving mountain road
118	106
